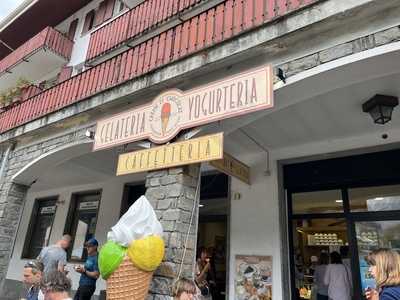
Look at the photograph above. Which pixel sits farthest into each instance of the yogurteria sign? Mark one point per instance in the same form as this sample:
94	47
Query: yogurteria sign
175	110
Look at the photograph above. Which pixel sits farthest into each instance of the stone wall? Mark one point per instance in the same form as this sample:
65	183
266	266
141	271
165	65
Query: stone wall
172	193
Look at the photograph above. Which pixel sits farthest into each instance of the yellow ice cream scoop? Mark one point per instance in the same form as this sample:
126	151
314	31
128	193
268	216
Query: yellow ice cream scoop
147	253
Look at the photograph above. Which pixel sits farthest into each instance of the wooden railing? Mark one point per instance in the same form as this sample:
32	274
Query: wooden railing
214	26
48	38
134	22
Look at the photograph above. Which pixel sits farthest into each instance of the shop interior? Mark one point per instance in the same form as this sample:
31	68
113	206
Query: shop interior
349	205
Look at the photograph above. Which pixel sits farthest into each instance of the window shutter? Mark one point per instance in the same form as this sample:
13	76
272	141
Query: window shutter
88	22
65	73
109	9
72	29
99	18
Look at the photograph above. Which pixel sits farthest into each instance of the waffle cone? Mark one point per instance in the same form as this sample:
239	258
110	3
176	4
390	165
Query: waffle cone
128	282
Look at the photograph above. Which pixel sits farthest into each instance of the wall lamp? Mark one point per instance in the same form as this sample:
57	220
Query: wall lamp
380	107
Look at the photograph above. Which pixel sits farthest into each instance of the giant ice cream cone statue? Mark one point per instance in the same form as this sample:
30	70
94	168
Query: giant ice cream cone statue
135	248
165	114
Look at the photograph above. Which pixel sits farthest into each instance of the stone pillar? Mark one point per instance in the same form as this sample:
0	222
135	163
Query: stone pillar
172	193
11	203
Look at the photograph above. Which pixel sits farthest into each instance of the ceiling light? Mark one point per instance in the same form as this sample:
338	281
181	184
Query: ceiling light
339	201
380	107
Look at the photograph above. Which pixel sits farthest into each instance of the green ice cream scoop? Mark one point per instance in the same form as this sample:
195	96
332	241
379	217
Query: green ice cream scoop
110	257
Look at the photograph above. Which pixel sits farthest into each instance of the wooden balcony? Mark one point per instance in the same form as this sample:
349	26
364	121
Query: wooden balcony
198	33
39	56
134	23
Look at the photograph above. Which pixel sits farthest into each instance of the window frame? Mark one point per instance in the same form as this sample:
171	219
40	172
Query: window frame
33	223
71	224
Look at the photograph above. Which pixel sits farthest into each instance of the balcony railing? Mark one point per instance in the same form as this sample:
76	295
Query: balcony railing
48	38
216	25
133	23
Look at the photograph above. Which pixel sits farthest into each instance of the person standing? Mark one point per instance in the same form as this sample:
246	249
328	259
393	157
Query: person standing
319	275
385	268
89	272
337	279
204	273
55	285
33	271
184	289
54	257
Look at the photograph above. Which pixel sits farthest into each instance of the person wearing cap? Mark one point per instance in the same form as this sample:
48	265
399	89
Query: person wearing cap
33	272
89	272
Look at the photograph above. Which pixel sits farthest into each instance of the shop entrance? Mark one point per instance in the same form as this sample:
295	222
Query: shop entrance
346	205
213	232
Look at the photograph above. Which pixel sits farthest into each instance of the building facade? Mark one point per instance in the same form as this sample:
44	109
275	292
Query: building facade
323	175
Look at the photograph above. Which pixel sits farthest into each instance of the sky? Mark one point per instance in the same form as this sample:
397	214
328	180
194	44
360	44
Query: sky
7	6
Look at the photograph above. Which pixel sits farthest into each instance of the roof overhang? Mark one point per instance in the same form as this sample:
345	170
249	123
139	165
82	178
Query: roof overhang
31	17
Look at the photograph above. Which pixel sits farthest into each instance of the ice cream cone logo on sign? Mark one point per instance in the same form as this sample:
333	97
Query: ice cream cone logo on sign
166	114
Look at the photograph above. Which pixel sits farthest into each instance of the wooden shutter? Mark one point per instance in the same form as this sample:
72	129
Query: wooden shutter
65	73
99	18
109	9
72	29
88	22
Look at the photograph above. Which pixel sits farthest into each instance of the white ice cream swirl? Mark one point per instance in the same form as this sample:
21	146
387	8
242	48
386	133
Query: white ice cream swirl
138	222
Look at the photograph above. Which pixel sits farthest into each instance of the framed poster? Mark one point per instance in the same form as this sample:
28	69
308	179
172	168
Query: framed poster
253	277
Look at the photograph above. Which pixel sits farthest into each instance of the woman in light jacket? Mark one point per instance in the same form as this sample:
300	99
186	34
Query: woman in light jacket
337	278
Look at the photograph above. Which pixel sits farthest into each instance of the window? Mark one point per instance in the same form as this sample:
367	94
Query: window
81	222
377	198
72	29
89	22
317	202
121	6
40	227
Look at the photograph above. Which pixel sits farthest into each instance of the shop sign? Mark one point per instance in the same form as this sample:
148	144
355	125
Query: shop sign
88	205
48	210
175	110
205	148
233	167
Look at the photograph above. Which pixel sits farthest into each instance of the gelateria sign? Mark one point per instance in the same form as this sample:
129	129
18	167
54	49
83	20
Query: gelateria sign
174	110
205	148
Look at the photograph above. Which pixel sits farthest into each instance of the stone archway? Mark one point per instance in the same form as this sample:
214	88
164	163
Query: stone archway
22	167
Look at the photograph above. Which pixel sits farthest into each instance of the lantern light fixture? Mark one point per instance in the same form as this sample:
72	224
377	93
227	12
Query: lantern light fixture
380	107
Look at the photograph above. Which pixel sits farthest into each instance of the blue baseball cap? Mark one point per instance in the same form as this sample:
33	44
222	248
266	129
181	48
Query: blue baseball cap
92	242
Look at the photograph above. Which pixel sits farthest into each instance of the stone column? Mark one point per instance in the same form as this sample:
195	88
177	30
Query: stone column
11	204
172	193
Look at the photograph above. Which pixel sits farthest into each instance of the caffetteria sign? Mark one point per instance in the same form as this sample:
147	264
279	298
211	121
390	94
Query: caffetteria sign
175	110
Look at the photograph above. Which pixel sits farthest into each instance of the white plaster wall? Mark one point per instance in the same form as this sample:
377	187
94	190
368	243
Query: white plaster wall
109	210
254	222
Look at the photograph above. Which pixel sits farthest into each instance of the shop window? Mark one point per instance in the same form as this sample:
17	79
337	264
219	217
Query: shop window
89	21
40	226
372	235
378	198
81	222
313	241
317	202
